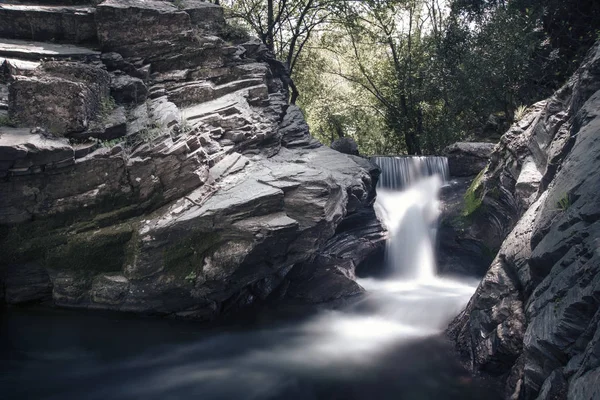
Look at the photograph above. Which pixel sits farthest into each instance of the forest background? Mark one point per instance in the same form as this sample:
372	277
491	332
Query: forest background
413	76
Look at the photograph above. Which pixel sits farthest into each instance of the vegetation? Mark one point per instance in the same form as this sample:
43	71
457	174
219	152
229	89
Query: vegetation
107	105
564	203
6	121
473	197
411	76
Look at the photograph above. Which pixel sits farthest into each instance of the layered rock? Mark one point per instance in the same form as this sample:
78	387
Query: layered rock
534	319
204	192
468	158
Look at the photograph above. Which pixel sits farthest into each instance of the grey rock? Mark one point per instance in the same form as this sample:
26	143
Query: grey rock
203	209
535	315
345	145
127	89
468	158
74	24
63	97
26	283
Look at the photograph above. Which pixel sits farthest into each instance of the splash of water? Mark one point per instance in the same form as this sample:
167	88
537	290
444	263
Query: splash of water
411	219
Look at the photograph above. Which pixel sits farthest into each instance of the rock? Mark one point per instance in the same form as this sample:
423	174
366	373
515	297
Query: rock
345	145
208	203
294	130
61	97
26	283
535	316
468	158
460	250
127	89
35	51
74	24
109	127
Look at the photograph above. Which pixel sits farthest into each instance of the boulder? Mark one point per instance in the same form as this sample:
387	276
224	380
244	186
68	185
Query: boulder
216	198
468	158
62	97
126	89
345	145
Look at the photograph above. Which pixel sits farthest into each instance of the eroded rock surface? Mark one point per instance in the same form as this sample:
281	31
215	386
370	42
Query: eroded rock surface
534	319
193	190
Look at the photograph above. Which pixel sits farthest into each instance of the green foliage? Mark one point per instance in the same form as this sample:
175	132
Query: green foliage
235	32
564	203
473	198
5	120
179	4
107	105
520	113
191	277
414	76
111	143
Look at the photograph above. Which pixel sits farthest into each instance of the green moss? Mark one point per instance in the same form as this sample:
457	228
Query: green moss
187	256
564	203
6	121
107	105
99	251
473	197
28	242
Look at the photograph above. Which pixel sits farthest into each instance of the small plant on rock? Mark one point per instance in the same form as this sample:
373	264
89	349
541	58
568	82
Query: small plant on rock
564	203
520	113
191	277
179	4
107	105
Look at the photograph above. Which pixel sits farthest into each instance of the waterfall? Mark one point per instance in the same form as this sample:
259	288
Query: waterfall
407	202
400	172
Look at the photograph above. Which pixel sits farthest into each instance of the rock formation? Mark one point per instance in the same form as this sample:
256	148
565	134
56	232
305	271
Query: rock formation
535	318
461	250
160	169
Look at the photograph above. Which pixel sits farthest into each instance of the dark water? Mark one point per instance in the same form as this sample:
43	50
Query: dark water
52	354
386	345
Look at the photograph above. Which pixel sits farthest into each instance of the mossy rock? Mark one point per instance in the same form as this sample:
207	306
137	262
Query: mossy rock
187	255
99	251
473	198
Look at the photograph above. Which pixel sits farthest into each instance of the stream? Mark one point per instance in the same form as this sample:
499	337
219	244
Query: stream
388	344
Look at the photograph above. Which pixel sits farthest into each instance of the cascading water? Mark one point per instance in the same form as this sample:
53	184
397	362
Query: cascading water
410	215
382	346
400	172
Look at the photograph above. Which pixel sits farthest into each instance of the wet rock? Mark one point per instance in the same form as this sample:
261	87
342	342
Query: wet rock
468	158
535	314
26	283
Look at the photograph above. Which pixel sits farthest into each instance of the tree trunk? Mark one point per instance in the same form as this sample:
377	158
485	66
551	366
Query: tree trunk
270	42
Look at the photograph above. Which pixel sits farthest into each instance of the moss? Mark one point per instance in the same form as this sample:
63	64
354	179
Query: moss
28	242
187	256
99	251
5	120
564	203
107	105
473	197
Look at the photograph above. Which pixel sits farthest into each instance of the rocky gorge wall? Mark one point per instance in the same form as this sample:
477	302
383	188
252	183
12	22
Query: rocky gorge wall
535	319
160	169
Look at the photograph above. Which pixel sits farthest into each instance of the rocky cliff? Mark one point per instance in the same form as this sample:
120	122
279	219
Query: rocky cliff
149	164
535	318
